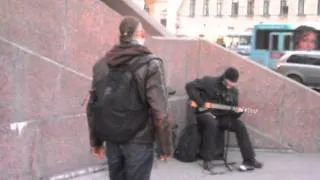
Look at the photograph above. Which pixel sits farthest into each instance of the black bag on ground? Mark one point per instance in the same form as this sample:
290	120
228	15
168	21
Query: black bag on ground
121	110
188	146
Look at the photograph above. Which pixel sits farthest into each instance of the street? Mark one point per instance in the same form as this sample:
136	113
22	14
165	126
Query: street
286	166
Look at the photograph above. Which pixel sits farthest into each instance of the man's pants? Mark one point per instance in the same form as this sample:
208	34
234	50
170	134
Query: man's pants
211	128
132	161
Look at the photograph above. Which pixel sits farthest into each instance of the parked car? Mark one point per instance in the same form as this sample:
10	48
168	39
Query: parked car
301	66
243	49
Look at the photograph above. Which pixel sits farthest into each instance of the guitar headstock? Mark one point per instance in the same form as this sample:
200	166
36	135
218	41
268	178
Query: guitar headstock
250	110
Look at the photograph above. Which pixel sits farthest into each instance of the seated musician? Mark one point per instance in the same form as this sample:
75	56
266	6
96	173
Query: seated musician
220	90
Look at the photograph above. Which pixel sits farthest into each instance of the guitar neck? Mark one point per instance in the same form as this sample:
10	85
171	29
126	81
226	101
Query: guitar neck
221	106
217	106
226	107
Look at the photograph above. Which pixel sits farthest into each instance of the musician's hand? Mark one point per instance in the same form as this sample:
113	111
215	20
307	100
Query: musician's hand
207	105
238	110
193	104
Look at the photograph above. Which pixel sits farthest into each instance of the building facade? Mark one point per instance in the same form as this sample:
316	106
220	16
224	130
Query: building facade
214	18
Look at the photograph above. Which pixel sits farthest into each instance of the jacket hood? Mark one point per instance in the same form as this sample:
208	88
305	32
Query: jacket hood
122	53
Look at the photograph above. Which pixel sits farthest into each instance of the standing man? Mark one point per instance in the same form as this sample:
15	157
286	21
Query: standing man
220	90
128	106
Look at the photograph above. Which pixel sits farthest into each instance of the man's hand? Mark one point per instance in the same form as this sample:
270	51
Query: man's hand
97	152
238	110
164	158
206	105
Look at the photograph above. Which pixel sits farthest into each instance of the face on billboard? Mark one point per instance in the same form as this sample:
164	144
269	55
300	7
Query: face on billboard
305	38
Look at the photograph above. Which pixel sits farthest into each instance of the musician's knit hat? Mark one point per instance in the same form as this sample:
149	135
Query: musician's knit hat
231	74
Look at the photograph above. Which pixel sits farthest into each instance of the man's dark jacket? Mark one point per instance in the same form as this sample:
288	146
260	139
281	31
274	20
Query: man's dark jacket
212	89
151	81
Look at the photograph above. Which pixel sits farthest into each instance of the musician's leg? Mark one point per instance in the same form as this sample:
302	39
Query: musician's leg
208	129
244	142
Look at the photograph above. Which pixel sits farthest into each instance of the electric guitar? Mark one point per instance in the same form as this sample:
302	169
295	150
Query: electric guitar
223	107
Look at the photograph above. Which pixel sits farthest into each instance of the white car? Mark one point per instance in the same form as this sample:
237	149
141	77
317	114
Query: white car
301	66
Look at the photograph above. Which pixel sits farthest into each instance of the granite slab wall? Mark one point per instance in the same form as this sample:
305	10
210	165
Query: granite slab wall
47	49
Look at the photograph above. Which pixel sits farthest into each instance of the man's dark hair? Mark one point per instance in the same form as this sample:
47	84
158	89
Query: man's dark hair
231	74
302	31
127	28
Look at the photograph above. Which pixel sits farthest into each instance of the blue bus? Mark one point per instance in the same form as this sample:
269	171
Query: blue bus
270	41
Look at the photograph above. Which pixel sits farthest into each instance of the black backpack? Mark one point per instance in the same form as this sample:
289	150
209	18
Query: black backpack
121	110
188	146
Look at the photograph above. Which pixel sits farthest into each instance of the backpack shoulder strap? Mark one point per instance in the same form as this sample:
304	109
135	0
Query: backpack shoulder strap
143	60
138	64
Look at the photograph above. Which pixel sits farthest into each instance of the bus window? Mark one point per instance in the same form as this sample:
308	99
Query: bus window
275	42
262	39
287	42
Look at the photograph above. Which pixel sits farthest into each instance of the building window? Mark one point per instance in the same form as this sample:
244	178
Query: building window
266	5
205	8
235	8
250	8
301	7
192	8
318	8
146	8
219	8
164	22
283	8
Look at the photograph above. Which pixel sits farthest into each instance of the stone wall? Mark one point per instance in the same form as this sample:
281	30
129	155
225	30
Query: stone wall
47	49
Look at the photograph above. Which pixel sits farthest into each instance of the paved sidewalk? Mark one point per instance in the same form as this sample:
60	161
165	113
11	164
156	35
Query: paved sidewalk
284	166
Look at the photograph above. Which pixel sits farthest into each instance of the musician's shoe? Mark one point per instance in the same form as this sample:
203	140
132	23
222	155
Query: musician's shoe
253	163
206	165
244	168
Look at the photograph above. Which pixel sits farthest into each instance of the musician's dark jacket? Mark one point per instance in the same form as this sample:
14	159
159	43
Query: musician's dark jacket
212	89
